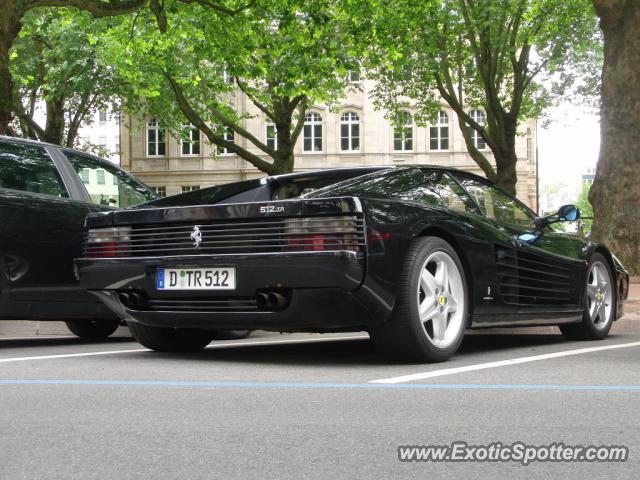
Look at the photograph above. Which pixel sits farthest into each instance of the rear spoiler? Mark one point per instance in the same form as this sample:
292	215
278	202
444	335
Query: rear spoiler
198	213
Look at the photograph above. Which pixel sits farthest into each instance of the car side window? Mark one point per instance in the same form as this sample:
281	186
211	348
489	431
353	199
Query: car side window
29	168
452	195
496	204
106	184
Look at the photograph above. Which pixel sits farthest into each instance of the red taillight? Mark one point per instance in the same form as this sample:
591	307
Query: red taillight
308	242
110	249
318	242
108	242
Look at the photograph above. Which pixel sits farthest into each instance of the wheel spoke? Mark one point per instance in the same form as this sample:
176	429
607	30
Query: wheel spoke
594	272
442	276
602	312
427	310
452	305
439	327
428	282
591	291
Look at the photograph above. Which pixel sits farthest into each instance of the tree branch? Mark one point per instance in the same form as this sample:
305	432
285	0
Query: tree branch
98	8
197	121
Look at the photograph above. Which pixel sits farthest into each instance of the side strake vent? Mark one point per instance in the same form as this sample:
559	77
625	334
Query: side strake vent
526	278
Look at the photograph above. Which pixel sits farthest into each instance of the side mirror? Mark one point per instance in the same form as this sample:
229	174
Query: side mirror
566	213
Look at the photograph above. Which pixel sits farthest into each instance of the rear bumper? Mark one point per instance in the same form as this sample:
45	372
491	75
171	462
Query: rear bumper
323	289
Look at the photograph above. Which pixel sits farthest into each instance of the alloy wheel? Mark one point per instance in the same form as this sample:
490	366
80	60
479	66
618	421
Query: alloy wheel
441	299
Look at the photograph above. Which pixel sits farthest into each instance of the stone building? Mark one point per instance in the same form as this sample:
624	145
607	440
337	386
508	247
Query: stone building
354	133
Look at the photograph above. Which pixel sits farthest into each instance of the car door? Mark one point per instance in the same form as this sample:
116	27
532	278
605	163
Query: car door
536	270
41	230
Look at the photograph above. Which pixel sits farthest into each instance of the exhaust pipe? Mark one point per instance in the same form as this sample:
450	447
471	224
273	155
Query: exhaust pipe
124	297
137	300
276	299
262	300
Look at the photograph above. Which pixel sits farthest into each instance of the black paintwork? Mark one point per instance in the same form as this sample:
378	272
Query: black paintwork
347	290
40	235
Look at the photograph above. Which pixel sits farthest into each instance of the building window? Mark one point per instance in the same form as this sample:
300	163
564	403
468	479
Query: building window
272	136
102	117
102	142
156	145
353	76
189	188
403	132
479	117
228	135
100	176
160	191
349	132
439	132
117	149
312	133
191	146
84	176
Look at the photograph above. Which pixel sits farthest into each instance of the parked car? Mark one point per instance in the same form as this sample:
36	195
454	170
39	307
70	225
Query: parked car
414	255
45	194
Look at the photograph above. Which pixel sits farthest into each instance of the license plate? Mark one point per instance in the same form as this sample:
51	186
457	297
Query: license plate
196	278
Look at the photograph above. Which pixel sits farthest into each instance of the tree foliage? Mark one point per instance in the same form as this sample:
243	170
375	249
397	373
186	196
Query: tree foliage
11	18
54	64
586	210
510	58
284	55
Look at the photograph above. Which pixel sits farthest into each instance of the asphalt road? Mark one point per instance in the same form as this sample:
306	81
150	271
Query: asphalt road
311	406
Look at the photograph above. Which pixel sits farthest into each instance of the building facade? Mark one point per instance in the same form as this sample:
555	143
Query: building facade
102	129
353	134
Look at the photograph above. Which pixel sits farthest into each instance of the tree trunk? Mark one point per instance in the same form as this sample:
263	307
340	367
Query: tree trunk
54	130
506	174
615	194
9	28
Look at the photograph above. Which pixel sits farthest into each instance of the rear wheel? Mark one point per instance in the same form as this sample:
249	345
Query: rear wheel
430	315
179	340
93	329
599	309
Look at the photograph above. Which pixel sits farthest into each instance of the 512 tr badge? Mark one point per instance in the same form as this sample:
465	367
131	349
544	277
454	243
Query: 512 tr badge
272	209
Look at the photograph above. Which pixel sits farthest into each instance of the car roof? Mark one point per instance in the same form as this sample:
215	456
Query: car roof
371	169
64	149
27	140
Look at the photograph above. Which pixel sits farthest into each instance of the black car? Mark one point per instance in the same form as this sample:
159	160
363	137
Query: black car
46	193
413	255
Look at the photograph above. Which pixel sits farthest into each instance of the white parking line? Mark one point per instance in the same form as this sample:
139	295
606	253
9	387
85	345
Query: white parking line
500	363
214	346
69	355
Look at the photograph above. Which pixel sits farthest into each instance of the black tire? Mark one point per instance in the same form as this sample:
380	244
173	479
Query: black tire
173	340
93	329
595	327
230	334
405	336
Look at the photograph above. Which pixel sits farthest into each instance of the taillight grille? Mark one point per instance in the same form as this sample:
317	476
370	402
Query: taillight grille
299	234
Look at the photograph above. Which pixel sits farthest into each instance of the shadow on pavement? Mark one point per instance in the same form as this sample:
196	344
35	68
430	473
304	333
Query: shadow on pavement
356	352
54	341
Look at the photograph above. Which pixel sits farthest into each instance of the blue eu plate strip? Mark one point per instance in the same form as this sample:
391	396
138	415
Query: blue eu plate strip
160	278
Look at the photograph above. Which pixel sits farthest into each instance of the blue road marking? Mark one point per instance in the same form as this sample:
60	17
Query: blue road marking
365	386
